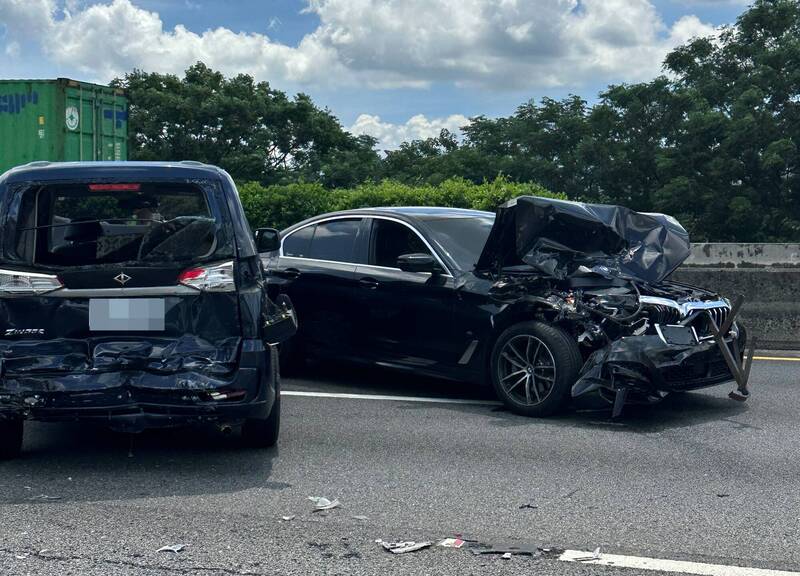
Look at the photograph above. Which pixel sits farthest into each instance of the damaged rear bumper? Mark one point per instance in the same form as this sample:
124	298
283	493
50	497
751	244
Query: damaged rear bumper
651	367
133	400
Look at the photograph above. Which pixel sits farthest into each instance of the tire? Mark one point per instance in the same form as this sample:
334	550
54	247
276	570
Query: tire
264	432
10	438
533	367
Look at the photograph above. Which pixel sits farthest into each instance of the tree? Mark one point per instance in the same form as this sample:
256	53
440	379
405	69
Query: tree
252	130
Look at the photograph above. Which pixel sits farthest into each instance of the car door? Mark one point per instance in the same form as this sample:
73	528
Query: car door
405	318
317	264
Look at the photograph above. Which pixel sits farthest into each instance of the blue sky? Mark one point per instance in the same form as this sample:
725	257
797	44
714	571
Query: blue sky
397	69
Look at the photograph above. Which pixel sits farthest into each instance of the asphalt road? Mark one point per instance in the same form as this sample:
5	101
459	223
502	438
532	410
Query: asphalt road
698	477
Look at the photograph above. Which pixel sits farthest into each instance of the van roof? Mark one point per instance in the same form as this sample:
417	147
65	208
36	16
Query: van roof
118	170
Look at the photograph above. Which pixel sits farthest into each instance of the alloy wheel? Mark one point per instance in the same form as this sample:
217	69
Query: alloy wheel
527	370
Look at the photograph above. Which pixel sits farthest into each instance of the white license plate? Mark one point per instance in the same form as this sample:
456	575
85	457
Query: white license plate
126	314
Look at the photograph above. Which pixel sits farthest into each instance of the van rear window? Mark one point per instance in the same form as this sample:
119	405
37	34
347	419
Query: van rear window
85	224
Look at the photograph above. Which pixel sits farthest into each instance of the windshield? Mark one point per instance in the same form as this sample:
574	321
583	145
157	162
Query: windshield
462	237
90	224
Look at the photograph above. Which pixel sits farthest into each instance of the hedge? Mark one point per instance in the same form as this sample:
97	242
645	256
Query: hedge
280	206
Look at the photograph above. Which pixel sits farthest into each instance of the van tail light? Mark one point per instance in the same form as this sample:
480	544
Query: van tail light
218	278
15	283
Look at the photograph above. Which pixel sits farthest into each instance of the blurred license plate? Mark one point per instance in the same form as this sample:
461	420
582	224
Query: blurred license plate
126	314
679	335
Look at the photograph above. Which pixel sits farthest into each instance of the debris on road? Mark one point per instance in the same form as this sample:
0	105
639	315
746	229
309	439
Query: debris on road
452	543
506	556
723	495
360	517
528	506
175	548
405	546
288	518
44	497
502	549
321	503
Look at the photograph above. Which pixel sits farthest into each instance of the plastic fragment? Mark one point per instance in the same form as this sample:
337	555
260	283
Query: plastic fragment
506	556
528	506
20	556
360	517
404	547
44	497
171	548
287	518
452	543
322	503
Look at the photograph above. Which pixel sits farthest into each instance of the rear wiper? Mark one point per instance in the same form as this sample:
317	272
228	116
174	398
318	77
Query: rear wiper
91	222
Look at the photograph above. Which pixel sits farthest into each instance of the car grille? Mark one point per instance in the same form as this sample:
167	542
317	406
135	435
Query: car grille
666	311
686	376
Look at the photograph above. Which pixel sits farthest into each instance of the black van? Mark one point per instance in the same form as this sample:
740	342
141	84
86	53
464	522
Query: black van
132	294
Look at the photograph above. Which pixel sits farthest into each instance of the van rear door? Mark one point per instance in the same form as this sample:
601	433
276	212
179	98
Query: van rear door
106	276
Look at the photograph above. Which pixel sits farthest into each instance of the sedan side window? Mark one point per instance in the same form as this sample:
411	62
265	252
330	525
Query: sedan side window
297	244
335	240
392	239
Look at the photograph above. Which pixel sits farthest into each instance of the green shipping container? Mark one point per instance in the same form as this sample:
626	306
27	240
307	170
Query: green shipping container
61	120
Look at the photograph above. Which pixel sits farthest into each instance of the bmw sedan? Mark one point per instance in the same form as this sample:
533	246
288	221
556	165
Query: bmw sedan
544	300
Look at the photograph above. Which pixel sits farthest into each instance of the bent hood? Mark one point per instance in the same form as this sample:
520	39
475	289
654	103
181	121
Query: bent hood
561	239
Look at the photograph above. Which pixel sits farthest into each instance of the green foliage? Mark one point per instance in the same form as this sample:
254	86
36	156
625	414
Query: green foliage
252	130
279	206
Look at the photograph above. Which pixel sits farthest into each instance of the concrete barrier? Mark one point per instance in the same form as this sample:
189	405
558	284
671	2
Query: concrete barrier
768	275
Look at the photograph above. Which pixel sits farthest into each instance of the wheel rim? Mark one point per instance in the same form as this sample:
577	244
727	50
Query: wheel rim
526	370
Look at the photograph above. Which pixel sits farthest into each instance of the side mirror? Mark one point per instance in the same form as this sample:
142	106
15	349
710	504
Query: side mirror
418	263
267	240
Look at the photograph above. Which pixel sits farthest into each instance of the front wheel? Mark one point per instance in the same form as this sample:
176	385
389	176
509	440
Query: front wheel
533	367
10	438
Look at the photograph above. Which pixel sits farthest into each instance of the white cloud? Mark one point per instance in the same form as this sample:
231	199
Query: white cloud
494	44
418	127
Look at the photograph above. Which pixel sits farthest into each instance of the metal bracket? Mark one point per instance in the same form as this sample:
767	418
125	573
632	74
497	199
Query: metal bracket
740	371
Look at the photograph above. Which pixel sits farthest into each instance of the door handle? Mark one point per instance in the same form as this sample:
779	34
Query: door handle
288	272
368	282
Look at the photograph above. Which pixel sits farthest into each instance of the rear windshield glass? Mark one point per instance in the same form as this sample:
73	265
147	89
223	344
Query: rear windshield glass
88	224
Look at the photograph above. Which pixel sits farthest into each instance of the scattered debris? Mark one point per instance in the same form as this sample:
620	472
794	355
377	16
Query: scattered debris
171	548
452	543
528	506
20	556
360	517
321	503
723	495
506	556
513	549
44	497
403	547
571	494
288	518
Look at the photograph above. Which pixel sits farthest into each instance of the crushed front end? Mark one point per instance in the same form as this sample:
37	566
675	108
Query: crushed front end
600	273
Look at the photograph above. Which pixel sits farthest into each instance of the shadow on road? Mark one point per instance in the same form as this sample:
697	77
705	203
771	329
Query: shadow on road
74	462
676	411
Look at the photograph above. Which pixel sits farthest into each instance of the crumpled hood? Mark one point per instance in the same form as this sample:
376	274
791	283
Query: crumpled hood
562	239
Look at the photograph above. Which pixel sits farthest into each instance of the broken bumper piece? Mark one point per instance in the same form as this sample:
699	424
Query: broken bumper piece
650	367
134	400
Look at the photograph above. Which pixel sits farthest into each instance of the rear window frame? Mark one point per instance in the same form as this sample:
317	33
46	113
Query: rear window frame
212	189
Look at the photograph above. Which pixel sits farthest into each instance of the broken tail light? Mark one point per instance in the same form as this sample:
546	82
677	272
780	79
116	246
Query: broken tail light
15	283
218	278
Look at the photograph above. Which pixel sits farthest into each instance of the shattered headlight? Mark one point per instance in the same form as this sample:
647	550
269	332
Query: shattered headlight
16	283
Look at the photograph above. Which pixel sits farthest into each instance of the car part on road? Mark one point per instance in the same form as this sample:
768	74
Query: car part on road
404	547
321	503
174	548
288	518
452	543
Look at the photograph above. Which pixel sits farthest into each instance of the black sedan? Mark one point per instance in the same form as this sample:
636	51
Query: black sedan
545	300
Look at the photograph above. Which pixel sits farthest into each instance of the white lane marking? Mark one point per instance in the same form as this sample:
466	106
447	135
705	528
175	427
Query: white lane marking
393	398
663	565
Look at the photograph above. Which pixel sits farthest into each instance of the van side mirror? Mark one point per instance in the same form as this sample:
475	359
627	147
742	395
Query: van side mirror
267	240
418	263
